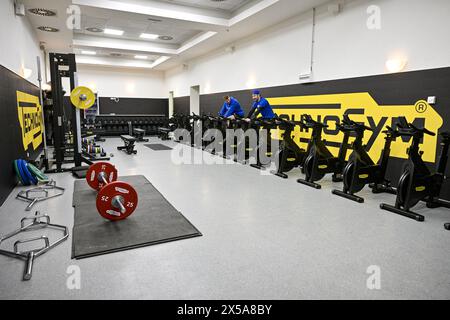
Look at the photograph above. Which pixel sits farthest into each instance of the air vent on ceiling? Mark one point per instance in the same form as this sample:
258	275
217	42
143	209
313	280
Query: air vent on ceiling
115	54
165	38
94	29
217	0
154	20
43	12
48	29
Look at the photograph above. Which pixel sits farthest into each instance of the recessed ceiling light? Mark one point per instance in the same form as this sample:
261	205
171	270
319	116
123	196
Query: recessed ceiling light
42	12
91	53
94	29
48	29
149	36
114	32
140	57
165	38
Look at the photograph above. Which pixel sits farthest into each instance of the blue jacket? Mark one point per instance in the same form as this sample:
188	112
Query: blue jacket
231	109
263	107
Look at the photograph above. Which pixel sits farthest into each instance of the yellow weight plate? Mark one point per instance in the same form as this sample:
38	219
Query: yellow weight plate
82	97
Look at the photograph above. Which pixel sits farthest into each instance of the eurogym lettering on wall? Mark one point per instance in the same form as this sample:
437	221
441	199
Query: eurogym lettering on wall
363	108
29	113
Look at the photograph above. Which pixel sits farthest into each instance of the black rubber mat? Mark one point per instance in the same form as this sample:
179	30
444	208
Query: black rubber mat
155	221
157	147
79	174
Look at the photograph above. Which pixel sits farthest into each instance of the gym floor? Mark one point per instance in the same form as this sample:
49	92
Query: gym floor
275	239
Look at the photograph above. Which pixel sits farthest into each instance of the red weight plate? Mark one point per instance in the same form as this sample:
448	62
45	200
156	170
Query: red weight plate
93	174
119	190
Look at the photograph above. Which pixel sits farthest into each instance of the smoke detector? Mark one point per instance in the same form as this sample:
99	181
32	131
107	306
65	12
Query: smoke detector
230	49
334	8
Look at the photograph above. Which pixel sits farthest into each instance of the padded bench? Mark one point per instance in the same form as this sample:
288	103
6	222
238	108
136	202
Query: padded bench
129	144
139	134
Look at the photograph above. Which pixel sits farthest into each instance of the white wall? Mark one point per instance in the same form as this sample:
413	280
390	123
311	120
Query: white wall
19	45
275	56
194	101
415	30
344	47
125	83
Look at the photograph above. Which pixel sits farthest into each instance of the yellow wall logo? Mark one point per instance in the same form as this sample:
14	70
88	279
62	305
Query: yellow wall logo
29	112
361	107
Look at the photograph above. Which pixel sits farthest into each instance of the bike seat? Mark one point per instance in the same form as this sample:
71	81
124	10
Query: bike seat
422	130
285	122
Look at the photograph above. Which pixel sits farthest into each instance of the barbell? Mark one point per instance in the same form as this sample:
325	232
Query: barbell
116	200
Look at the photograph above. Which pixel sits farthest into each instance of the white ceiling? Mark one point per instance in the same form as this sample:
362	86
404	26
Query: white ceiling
133	27
119	54
227	5
59	41
196	26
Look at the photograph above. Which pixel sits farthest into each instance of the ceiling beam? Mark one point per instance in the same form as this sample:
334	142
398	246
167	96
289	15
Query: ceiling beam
152	9
124	45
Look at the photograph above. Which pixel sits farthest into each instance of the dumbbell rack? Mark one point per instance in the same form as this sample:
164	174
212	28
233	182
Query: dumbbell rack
87	144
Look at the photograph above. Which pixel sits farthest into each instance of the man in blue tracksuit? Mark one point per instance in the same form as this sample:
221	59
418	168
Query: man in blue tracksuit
230	108
260	106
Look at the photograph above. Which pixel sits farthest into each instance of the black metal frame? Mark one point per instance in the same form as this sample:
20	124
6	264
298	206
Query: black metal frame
63	66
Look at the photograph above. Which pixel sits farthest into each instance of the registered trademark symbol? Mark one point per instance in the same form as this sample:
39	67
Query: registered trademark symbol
421	106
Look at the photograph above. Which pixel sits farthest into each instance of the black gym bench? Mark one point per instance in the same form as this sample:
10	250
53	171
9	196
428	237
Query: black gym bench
163	133
139	135
129	144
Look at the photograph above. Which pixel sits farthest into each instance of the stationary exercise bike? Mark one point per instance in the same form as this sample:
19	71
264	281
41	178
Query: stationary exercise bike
417	183
361	170
320	161
226	125
195	129
264	145
289	155
183	122
244	146
199	127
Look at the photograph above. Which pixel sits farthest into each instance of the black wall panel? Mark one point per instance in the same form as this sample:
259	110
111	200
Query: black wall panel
399	88
11	133
181	105
134	106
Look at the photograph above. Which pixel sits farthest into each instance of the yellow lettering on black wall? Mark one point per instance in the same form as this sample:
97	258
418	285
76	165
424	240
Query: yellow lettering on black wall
29	113
361	107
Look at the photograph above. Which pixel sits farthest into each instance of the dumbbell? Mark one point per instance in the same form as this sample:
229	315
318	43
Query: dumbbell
94	149
116	200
